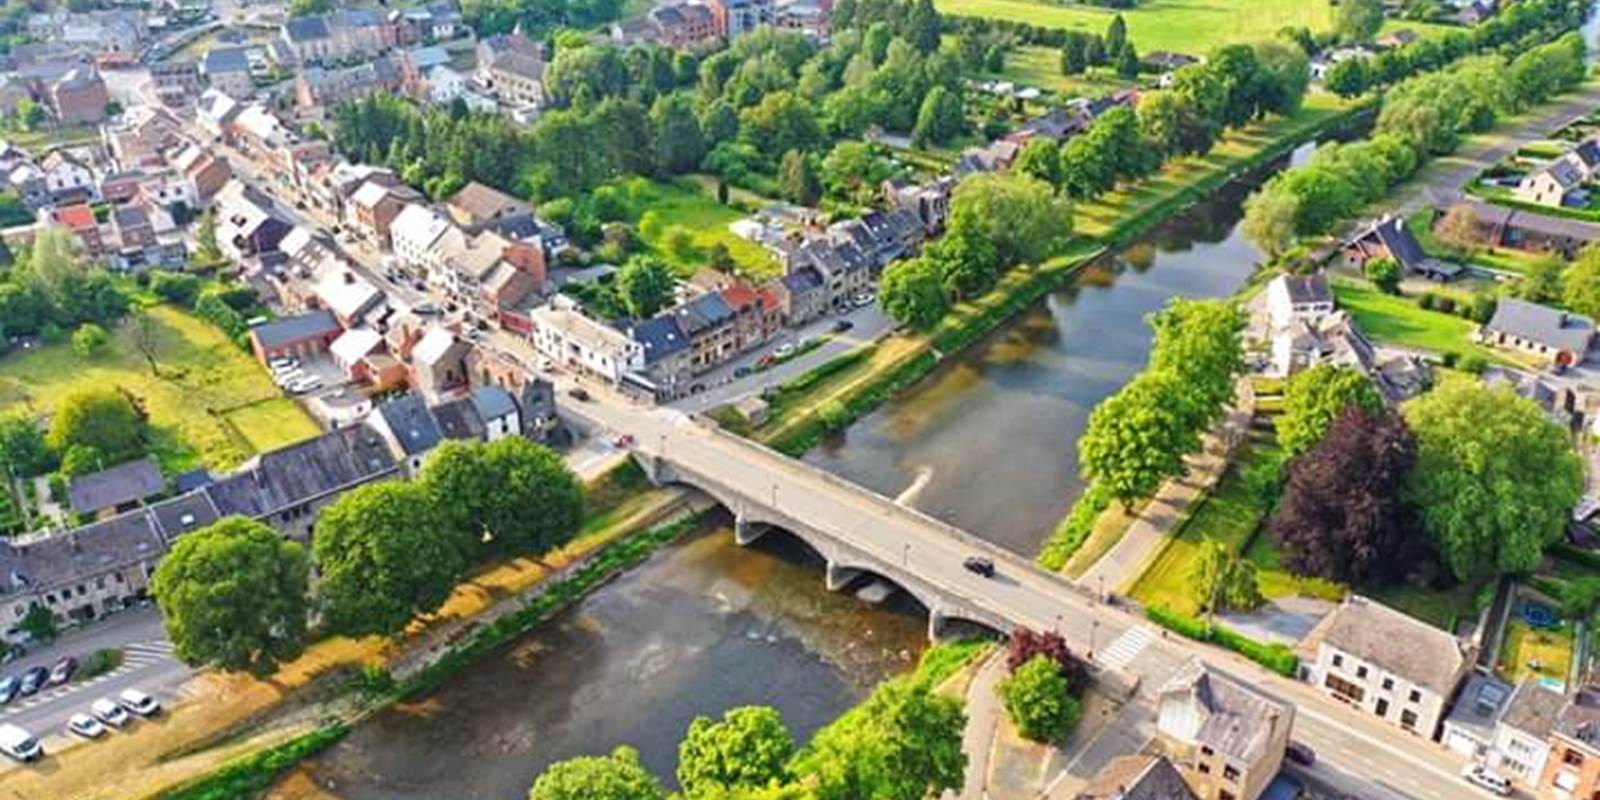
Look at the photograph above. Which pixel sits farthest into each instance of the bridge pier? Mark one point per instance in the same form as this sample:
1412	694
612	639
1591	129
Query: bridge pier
745	531
935	624
839	577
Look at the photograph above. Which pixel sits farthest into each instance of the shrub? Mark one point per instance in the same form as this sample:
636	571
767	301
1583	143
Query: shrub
1039	700
256	772
1474	363
1446	304
1276	657
100	662
1075	528
1428	301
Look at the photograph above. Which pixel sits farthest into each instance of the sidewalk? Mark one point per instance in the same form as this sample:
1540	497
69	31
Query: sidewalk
1122	564
983	722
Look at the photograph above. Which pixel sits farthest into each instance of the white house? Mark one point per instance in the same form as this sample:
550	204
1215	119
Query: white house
565	336
1522	735
65	175
498	410
414	233
1298	297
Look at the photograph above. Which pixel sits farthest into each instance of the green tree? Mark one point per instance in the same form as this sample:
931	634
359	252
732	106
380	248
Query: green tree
1384	273
912	293
1040	159
1581	284
206	251
1116	35
903	743
922	27
510	497
104	419
646	284
1544	282
23	452
1039	700
1020	215
940	118
90	340
1495	480
797	177
748	749
618	776
1199	342
1348	78
1314	398
1127	62
1222	580
675	130
1358	20
233	596
39	623
1269	219
1137	437
307	8
781	122
384	554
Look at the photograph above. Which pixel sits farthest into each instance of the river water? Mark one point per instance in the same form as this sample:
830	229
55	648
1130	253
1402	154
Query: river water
707	626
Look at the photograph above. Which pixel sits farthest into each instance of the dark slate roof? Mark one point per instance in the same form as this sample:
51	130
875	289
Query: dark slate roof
301	472
1395	237
703	313
225	59
1565	173
1137	777
1587	153
408	418
184	513
1311	288
191	480
536	399
297	328
660	336
1580	719
800	281
124	483
305	29
130	217
493	402
121	541
458	419
1542	324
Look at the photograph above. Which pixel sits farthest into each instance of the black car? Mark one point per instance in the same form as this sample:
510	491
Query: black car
34	679
1301	753
979	565
843	325
579	393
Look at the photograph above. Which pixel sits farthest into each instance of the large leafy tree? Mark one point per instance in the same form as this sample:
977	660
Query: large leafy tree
1581	284
679	141
23	452
1039	700
1341	516
1314	398
912	293
617	776
939	119
508	497
384	555
1495	479
1199	342
103	419
646	284
1024	645
1358	20
1021	216
1137	437
1270	216
233	595
903	743
748	749
1222	580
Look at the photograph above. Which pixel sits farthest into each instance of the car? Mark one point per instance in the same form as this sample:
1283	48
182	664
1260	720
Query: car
18	743
579	393
842	326
742	370
1486	778
429	309
419	285
62	671
9	686
86	726
978	565
106	710
766	361
289	376
34	679
278	364
626	440
864	299
1301	753
139	703
783	351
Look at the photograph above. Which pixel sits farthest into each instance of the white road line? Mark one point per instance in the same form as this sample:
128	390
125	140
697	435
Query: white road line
1127	647
1306	710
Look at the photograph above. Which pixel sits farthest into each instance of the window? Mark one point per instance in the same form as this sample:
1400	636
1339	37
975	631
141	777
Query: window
1383	707
1388	683
1204	768
1230	774
1343	689
1361	671
1225	795
1416	695
1572	757
1408	719
1338	660
1205	750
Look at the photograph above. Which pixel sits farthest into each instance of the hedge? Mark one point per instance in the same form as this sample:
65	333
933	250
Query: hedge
1587	558
1277	657
256	772
1075	529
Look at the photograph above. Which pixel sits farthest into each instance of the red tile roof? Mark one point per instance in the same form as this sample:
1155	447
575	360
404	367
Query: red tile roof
76	217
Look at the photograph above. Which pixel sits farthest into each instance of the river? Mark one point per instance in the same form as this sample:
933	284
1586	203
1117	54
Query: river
707	626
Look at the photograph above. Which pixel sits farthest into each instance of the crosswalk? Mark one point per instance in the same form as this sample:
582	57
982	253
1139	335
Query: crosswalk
134	657
1125	648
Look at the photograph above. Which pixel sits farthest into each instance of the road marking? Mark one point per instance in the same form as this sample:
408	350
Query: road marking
1305	710
1125	648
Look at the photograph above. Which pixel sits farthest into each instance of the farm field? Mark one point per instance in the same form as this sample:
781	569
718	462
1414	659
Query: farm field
203	378
1184	26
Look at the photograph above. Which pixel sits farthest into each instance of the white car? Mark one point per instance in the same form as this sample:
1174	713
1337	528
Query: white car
1486	778
304	385
784	351
864	299
282	364
18	743
139	703
288	376
86	726
107	711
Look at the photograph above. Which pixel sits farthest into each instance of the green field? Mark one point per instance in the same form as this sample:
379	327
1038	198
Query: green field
1040	68
691	205
1184	26
1399	321
202	373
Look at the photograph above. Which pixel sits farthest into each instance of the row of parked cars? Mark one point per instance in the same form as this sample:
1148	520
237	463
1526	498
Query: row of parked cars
13	686
103	715
286	372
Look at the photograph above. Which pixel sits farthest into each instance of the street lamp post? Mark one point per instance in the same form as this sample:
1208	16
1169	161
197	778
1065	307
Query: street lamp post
1094	628
905	555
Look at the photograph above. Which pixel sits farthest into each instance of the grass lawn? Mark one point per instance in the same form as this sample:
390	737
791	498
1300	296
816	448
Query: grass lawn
1399	321
1524	646
1433	606
1040	68
1277	581
1185	26
53	136
688	203
1127	203
201	373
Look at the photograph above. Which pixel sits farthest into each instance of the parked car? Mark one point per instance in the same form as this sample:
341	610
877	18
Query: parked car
304	385
979	565
279	364
107	711
34	679
624	441
784	351
18	743
843	325
289	376
743	370
864	299
766	361
9	686
86	726
1486	778
579	393
62	671
139	703
1301	753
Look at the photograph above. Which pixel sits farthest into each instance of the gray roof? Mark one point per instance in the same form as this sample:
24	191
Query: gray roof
225	59
118	542
493	402
306	29
1480	705
800	281
703	313
302	472
458	419
293	329
660	336
407	416
124	483
1533	708
1239	721
1395	237
1140	777
1414	650
1311	288
1541	324
1579	720
184	513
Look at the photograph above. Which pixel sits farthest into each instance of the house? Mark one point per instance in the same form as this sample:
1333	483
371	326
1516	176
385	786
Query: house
375	206
667	358
458	420
1500	226
409	427
478	205
301	336
216	112
352	351
68	178
79	220
1572	768
1166	60
115	489
284	488
177	80
414	232
247	225
802	295
812	19
83	574
438	364
536	407
709	322
1298	297
316	88
564	335
929	201
1473	12
1396	39
343	35
498	411
227	70
352	298
1380	661
204	174
1389	237
1470	727
1226	737
132	229
1138	777
141	135
1522	735
512	68
79	97
735	18
1553	335
684	26
1558	184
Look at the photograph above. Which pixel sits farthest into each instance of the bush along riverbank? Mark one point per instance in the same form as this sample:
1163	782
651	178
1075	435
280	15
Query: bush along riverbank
252	774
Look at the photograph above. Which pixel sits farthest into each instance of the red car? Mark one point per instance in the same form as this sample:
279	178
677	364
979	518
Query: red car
625	440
